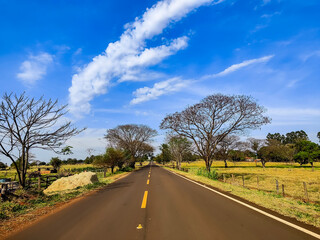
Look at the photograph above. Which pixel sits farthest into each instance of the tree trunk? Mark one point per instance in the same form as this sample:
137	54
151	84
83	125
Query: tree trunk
120	165
225	164
208	165
112	169
263	163
132	164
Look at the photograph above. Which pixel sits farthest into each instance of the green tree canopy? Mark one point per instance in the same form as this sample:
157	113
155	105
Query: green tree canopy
307	152
56	163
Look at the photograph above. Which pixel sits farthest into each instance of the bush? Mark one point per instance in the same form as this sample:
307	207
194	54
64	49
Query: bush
126	169
212	174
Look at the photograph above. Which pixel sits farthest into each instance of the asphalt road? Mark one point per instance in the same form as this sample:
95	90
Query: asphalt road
166	207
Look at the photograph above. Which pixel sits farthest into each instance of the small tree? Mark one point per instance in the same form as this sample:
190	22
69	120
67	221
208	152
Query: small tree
165	155
318	135
207	123
179	148
224	148
56	163
112	158
255	145
27	123
2	165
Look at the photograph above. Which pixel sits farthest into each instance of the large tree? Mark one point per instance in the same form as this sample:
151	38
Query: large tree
133	138
294	137
290	138
318	135
307	152
26	124
207	123
275	151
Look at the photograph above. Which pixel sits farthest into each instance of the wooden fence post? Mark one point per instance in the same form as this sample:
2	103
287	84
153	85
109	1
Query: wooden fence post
104	173
277	186
283	190
258	182
47	181
305	191
39	183
232	178
242	180
224	178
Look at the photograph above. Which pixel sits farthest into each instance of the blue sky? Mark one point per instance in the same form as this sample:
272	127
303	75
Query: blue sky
118	62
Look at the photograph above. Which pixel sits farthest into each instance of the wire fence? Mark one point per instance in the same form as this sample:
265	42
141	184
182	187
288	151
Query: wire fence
307	191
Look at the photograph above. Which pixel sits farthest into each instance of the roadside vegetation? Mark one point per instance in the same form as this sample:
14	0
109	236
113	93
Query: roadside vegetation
31	204
293	205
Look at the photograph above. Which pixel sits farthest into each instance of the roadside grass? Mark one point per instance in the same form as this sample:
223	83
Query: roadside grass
31	200
291	175
307	212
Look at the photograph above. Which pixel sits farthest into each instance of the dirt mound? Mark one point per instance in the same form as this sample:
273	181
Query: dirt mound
72	182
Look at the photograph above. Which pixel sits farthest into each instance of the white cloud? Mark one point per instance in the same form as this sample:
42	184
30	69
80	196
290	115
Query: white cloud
161	88
34	68
125	59
306	56
238	66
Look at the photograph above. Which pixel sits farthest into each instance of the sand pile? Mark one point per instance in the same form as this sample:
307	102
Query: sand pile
72	182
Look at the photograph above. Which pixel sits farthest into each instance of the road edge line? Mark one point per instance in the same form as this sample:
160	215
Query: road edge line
313	234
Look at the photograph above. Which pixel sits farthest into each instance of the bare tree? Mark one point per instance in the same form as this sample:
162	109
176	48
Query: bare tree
26	123
223	149
179	147
255	145
89	151
132	138
207	123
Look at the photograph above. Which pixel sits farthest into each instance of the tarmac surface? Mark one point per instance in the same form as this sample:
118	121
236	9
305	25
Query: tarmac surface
155	204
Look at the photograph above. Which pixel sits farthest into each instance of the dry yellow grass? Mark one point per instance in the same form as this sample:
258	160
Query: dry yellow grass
291	176
304	212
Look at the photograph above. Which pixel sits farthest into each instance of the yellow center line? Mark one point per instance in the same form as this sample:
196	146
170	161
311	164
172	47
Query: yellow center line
144	200
148	181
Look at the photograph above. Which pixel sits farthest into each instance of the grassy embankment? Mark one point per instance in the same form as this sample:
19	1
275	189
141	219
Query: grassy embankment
294	204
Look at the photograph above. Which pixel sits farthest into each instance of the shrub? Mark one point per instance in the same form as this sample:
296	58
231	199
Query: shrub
212	174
